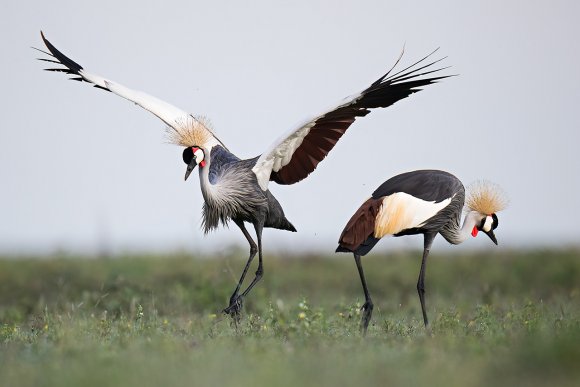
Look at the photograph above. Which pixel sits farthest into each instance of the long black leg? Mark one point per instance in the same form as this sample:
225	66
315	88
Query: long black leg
236	300
260	271
367	308
428	241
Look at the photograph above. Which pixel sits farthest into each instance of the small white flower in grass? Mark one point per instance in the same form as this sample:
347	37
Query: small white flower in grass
280	304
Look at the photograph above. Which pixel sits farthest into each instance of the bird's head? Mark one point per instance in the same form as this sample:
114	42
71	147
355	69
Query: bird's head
192	156
485	199
487	224
195	135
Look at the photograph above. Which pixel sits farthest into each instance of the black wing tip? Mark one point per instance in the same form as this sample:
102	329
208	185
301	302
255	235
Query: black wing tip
46	42
436	79
40	50
422	81
62	59
403	74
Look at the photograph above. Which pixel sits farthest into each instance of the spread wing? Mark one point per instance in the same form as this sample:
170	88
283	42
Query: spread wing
297	153
184	124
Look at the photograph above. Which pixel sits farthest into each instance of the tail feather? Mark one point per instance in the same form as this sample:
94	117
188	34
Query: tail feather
286	225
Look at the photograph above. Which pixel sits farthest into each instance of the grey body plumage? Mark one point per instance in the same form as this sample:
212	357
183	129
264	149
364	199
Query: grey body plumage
231	192
447	222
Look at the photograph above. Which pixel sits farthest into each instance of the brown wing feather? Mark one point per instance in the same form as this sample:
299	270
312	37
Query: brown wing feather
361	225
330	127
322	137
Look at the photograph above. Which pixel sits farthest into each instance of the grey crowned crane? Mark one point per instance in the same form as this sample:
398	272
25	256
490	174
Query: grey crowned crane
237	189
427	202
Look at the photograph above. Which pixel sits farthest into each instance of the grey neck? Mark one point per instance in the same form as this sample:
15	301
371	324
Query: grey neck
455	234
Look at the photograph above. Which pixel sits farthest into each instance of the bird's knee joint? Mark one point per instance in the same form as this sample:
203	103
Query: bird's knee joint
253	250
259	273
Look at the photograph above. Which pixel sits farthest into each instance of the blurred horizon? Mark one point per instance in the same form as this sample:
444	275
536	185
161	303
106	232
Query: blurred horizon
384	248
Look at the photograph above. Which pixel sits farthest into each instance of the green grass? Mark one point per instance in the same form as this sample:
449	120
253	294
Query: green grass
499	318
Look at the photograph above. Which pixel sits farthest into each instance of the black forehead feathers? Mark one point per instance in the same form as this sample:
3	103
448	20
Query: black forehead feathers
495	221
187	155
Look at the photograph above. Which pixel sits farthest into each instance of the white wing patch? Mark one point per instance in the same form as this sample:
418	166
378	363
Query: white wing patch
279	154
187	130
168	113
186	127
401	211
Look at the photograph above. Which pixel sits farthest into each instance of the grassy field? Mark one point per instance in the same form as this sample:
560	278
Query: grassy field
499	318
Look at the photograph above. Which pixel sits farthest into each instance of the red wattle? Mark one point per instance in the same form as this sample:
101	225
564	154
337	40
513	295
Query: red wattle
474	231
202	164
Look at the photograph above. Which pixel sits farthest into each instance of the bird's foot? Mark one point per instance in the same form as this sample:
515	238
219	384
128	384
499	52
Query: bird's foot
235	307
367	309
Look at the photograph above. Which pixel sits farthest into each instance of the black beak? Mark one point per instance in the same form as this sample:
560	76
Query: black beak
491	236
190	167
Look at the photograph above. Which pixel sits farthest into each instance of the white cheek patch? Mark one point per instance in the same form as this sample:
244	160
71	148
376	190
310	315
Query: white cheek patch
199	155
487	225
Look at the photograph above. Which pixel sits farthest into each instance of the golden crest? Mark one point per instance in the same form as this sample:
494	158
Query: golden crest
486	197
192	131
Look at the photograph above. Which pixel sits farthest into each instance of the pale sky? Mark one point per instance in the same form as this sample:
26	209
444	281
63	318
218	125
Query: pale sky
80	167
